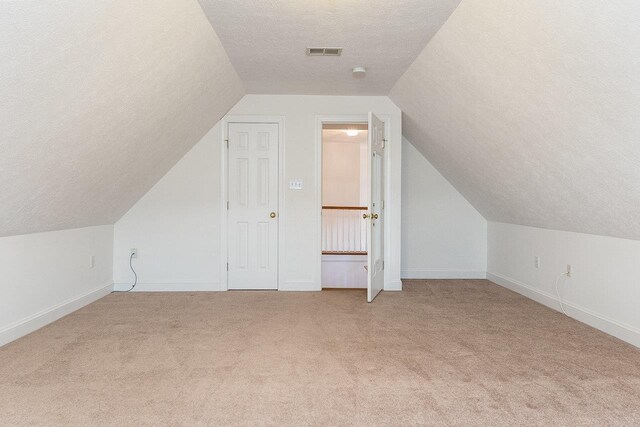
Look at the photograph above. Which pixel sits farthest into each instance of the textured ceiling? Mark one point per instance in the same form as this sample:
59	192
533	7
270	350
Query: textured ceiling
266	41
97	101
531	108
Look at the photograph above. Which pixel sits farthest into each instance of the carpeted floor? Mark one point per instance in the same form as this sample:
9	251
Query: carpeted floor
439	353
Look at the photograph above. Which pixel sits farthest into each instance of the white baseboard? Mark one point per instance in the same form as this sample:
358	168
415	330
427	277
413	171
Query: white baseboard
610	326
50	315
344	287
393	286
300	286
171	287
206	287
414	273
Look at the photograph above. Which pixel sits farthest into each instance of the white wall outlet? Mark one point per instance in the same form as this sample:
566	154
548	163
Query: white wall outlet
134	253
568	270
296	184
92	262
536	261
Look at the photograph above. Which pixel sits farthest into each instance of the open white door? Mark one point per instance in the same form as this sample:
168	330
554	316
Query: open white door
375	229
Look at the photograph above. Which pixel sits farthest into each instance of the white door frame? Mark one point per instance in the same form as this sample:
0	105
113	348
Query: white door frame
339	119
224	189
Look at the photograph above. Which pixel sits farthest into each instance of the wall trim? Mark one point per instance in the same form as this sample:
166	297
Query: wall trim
393	286
419	273
38	320
317	232
224	191
308	286
603	323
356	118
172	287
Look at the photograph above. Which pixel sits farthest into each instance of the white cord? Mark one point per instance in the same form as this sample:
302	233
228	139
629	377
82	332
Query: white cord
135	281
558	293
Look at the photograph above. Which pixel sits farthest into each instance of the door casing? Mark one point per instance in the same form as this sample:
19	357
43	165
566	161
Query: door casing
341	119
224	189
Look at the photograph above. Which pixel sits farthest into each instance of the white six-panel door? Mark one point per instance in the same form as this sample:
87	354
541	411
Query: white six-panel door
375	231
253	206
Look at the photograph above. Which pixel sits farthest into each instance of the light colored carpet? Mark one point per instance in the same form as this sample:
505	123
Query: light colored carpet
439	353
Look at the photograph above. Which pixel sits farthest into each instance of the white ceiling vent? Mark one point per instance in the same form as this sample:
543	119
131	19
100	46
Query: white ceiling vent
324	51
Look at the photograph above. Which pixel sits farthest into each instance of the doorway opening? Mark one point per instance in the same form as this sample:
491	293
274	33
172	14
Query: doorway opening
345	205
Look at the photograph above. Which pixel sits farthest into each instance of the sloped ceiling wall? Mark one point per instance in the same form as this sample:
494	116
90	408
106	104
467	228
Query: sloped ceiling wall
98	99
531	108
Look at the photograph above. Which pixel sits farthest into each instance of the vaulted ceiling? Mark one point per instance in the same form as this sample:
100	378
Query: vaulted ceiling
98	100
530	108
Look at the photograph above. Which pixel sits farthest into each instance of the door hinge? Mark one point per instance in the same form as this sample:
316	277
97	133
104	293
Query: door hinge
227	141
383	265
382	204
227	205
227	266
384	142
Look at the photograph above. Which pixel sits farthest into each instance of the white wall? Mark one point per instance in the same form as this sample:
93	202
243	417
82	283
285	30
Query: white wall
344	271
341	169
604	290
443	236
45	276
175	226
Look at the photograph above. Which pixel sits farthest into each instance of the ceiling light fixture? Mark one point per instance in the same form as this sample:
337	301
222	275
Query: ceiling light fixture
352	132
359	71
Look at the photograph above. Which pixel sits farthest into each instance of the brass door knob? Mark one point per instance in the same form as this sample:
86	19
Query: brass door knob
272	214
374	216
365	216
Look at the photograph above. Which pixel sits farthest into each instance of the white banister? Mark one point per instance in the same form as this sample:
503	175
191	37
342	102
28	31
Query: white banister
344	229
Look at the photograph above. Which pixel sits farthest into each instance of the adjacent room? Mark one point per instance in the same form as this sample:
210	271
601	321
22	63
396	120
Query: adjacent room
345	205
292	213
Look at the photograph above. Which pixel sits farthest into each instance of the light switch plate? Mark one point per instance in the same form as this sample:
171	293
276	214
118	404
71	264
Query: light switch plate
296	184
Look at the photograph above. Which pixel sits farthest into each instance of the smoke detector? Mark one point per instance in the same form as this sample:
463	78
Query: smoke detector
359	71
324	51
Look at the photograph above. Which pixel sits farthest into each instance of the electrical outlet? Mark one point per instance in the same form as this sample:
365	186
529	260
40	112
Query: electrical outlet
134	253
91	261
536	261
568	270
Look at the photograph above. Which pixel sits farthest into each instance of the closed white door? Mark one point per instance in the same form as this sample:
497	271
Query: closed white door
253	206
375	231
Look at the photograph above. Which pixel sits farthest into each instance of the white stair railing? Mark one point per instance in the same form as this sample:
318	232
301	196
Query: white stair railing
344	230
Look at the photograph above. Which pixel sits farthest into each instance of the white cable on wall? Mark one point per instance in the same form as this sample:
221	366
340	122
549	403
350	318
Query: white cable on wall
135	280
558	292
